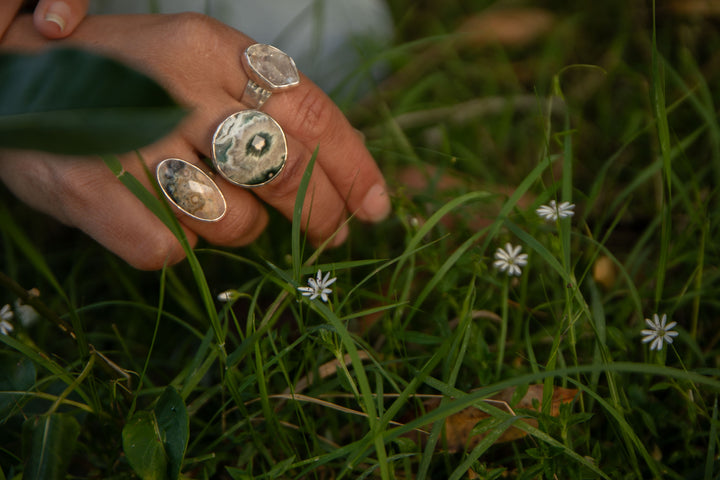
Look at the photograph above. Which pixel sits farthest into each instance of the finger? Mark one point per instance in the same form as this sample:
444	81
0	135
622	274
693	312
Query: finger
307	114
323	215
245	218
8	11
83	193
58	18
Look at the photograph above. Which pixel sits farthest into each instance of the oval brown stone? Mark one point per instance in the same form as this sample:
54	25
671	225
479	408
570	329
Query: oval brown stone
191	190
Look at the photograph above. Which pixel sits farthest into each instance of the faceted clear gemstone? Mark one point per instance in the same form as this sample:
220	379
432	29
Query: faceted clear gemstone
272	66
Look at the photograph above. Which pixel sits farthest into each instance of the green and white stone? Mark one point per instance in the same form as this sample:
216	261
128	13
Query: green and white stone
191	190
249	148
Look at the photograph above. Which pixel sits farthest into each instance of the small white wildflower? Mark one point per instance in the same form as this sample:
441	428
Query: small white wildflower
318	286
6	314
553	211
660	331
510	260
227	296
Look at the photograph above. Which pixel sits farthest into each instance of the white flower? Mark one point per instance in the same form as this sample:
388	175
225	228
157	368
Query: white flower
6	314
510	259
553	211
227	296
659	332
318	286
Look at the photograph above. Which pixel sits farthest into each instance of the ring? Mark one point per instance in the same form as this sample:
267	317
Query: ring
269	70
249	148
191	190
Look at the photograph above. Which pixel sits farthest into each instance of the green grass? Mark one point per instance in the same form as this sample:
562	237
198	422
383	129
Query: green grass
601	110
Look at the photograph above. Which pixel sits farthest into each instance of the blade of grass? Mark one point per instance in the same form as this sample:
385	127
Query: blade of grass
164	213
297	253
712	443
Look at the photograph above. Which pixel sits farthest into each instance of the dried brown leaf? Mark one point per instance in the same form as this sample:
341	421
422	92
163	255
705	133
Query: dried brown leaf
459	426
512	27
604	272
703	8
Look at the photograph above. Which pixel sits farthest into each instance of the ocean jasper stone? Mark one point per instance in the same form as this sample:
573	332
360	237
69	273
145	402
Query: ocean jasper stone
249	148
191	190
270	67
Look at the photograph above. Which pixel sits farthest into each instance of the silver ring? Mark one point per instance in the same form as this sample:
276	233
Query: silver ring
269	70
249	148
191	190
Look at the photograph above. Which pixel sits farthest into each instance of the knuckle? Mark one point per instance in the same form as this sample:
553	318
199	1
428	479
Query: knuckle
315	116
71	190
240	228
191	31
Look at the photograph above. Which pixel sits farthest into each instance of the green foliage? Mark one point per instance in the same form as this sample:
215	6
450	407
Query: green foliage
76	102
173	423
161	380
143	446
48	445
17	375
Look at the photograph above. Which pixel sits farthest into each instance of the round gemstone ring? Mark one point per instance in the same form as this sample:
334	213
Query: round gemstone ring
249	148
269	70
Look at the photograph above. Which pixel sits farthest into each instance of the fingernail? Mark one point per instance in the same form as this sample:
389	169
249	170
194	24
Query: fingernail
56	13
376	204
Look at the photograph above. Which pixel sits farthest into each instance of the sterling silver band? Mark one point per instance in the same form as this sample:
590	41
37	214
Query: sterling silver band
269	70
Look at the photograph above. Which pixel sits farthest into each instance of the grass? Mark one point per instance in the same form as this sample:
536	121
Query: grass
612	109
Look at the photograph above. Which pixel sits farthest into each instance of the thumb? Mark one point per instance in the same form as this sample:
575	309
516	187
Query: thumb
58	18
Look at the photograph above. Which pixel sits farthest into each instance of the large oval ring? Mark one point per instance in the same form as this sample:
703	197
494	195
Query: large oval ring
269	70
191	190
249	148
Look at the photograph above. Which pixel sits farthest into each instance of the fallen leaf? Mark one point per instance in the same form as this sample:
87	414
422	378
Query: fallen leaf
703	8
459	426
511	27
604	272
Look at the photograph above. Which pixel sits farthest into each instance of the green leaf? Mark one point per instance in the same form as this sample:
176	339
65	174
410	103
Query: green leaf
72	101
17	374
48	444
144	448
172	418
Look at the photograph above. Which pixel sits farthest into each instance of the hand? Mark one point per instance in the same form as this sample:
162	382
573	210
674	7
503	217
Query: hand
198	60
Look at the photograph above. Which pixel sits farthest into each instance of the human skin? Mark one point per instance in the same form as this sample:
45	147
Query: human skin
53	19
197	59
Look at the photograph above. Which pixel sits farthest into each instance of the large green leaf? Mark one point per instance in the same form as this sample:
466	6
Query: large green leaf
143	446
75	102
17	374
48	444
172	418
